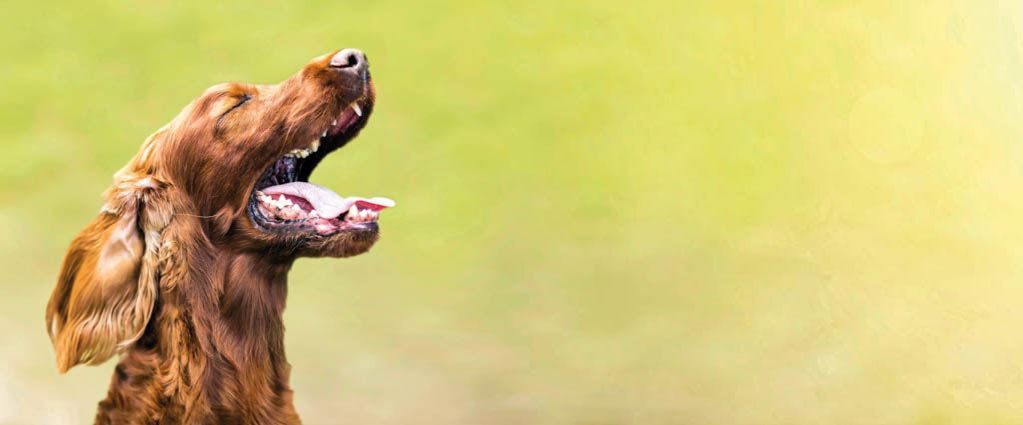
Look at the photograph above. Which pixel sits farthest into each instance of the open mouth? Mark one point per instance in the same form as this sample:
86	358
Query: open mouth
283	200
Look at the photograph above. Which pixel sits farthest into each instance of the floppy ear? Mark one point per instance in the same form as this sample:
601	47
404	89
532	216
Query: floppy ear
108	284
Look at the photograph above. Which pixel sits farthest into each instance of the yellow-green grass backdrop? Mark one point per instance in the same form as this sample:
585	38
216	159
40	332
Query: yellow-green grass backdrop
642	212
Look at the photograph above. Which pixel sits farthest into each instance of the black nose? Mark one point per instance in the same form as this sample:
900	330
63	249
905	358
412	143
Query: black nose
350	60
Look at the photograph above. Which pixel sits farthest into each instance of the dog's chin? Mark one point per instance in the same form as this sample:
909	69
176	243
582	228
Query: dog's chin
346	243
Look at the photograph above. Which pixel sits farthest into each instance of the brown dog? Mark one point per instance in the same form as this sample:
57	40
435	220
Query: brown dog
184	271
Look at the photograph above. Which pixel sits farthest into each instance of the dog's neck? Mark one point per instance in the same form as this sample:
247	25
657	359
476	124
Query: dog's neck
213	352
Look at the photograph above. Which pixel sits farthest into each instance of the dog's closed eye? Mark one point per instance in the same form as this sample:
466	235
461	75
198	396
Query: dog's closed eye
241	101
238	101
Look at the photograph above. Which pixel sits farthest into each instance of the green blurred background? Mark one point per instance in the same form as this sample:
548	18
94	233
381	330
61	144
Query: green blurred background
645	212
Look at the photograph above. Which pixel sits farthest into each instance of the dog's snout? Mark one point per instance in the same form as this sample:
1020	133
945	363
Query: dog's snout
350	60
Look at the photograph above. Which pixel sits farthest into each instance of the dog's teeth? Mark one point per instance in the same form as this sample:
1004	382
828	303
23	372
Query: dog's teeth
353	212
315	146
324	133
314	214
357	109
333	123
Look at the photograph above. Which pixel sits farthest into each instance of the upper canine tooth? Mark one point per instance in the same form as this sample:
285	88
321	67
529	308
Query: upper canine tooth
324	133
315	146
353	212
333	123
357	109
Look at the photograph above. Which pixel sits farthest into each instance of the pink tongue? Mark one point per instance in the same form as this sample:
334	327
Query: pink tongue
325	201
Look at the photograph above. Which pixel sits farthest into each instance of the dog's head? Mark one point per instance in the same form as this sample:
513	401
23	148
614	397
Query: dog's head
232	167
244	154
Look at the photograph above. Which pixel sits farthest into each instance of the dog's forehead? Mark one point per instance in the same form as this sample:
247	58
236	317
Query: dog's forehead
227	89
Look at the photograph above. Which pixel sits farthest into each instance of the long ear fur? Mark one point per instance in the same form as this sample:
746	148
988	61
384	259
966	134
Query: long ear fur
108	284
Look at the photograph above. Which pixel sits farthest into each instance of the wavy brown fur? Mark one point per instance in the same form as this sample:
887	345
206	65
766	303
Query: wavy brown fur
174	275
